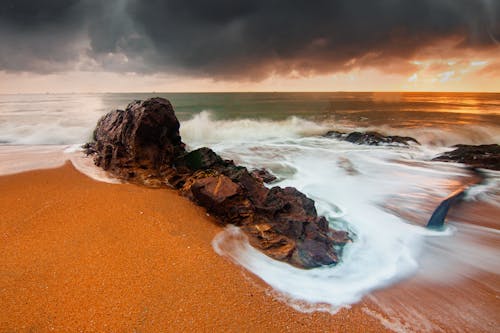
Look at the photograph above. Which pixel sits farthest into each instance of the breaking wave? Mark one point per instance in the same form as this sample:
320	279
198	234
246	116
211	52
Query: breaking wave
204	128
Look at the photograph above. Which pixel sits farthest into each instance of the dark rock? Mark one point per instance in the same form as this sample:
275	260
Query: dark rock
138	144
199	159
143	144
214	190
286	225
88	148
482	156
282	223
371	138
204	159
263	175
223	198
340	237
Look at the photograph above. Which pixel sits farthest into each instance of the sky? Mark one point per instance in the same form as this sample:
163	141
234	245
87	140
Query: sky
256	45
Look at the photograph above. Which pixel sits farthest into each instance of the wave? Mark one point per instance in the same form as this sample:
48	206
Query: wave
22	158
56	133
204	129
72	122
40	120
448	136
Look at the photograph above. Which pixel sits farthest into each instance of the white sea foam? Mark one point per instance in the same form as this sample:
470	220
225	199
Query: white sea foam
488	190
386	247
60	120
22	158
85	165
437	296
204	129
15	159
444	136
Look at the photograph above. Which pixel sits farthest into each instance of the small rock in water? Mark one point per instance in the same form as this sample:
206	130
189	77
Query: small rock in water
481	156
371	138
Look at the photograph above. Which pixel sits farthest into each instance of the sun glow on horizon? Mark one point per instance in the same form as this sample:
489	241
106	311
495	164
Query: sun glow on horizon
430	76
433	69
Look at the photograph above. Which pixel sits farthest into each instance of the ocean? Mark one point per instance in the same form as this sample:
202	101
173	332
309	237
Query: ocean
382	195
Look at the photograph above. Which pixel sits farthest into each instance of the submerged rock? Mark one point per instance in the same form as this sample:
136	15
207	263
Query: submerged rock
481	156
348	166
371	138
143	144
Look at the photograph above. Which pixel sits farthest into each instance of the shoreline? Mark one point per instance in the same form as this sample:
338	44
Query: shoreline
77	254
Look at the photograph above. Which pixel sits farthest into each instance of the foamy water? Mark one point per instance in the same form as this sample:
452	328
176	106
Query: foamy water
20	158
386	247
382	195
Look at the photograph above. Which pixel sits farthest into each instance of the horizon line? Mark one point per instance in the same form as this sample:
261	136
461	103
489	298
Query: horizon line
250	92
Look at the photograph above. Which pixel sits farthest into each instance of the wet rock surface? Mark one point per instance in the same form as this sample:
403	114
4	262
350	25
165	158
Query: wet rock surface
143	144
481	156
371	138
283	223
264	175
139	143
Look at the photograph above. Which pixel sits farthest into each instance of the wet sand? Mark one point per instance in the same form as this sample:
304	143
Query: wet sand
81	255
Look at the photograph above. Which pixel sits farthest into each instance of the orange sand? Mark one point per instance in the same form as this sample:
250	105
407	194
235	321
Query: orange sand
79	255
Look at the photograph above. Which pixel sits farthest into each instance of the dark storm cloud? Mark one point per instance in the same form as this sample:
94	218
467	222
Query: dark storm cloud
39	35
235	39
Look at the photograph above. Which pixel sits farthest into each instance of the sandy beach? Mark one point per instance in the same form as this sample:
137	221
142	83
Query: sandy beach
81	255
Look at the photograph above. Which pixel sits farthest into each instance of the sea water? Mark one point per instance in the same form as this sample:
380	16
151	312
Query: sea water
382	195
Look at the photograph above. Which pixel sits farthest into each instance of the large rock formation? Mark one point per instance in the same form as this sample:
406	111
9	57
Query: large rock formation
283	223
142	144
138	144
482	156
371	138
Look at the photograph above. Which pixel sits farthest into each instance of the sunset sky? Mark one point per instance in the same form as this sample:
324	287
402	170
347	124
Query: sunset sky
225	45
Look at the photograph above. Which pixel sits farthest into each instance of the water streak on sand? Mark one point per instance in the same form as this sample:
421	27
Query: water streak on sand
22	158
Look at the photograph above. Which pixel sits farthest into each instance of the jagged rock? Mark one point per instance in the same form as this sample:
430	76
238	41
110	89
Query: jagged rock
263	175
482	156
283	223
143	144
290	213
138	144
223	198
199	159
371	138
